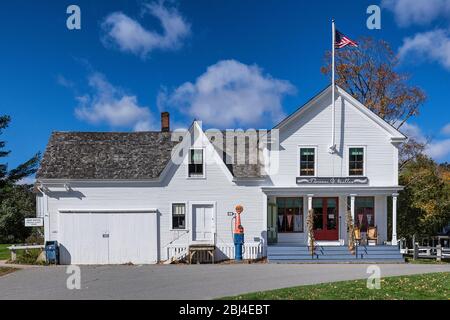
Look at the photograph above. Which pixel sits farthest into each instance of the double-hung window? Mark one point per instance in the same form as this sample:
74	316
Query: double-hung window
196	163
356	162
307	161
178	216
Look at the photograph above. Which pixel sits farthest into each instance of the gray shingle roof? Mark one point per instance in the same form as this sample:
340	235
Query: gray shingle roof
106	155
115	155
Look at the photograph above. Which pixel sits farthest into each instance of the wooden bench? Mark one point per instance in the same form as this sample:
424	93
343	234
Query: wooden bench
198	248
14	249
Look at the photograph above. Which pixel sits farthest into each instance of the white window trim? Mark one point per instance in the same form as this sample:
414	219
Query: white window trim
191	204
203	176
186	214
304	146
347	160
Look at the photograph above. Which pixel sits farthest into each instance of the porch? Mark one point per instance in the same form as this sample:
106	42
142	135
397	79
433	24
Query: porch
287	211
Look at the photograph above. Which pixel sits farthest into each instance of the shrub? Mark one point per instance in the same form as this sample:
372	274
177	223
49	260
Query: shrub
28	256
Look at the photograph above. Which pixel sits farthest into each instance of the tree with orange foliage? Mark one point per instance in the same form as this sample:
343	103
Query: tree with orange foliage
369	74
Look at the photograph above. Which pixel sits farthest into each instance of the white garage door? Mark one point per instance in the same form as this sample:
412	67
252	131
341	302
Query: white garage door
108	238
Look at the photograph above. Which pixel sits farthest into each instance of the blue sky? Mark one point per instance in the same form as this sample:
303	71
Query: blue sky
132	59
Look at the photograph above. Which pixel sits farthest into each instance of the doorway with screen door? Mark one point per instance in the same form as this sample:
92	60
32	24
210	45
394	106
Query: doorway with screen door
326	215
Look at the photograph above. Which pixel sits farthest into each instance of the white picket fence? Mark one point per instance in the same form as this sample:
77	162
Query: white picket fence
437	252
224	251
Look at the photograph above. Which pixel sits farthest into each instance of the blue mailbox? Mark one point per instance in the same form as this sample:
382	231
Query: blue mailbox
52	252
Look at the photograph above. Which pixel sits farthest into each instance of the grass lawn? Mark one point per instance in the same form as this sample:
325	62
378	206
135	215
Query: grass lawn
5	270
426	261
4	252
423	286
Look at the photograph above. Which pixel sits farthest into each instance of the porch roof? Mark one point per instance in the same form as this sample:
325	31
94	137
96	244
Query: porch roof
331	190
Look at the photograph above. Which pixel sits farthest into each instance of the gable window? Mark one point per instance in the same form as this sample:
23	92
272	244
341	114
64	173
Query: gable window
307	161
356	162
196	163
178	216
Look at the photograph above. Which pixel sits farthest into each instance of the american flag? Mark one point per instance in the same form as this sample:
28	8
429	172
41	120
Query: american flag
341	40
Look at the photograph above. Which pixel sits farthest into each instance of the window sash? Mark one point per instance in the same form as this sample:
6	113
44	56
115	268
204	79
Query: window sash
178	216
356	162
195	166
307	161
196	156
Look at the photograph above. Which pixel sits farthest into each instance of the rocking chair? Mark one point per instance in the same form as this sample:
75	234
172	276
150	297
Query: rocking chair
372	235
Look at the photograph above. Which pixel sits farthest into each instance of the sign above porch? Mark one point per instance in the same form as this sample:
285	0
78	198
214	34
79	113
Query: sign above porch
332	180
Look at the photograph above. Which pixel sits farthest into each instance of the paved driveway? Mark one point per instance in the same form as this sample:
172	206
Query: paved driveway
184	281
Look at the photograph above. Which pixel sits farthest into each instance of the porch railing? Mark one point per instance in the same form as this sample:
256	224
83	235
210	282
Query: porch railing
224	251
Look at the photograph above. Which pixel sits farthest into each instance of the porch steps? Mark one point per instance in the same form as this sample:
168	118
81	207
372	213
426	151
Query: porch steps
287	253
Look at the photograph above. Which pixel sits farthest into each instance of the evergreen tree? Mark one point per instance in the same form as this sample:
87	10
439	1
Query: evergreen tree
16	201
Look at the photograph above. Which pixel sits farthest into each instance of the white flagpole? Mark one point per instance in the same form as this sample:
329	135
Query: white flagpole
333	144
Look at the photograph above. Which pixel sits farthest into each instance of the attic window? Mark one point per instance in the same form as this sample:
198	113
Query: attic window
196	163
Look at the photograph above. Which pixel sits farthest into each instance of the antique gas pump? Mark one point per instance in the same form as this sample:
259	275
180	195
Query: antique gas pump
238	233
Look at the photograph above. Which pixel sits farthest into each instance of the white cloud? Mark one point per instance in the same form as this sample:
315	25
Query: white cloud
63	81
437	149
421	12
230	93
413	131
432	45
27	180
446	129
109	104
130	36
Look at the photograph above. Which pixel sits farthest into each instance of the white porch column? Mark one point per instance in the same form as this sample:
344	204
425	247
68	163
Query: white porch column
264	241
310	196
394	219
352	206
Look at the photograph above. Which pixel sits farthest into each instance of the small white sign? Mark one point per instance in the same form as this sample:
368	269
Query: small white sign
34	222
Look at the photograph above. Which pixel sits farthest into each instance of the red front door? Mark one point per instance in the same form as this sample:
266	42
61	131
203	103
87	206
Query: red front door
326	218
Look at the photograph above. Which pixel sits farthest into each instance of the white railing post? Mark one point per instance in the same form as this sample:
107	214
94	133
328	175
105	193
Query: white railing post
439	253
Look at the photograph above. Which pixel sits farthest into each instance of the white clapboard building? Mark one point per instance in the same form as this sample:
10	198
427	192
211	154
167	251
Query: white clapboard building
145	197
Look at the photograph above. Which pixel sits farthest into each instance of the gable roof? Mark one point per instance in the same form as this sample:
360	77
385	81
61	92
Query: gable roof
117	155
396	136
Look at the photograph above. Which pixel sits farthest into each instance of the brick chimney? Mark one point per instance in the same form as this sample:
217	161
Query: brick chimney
165	122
